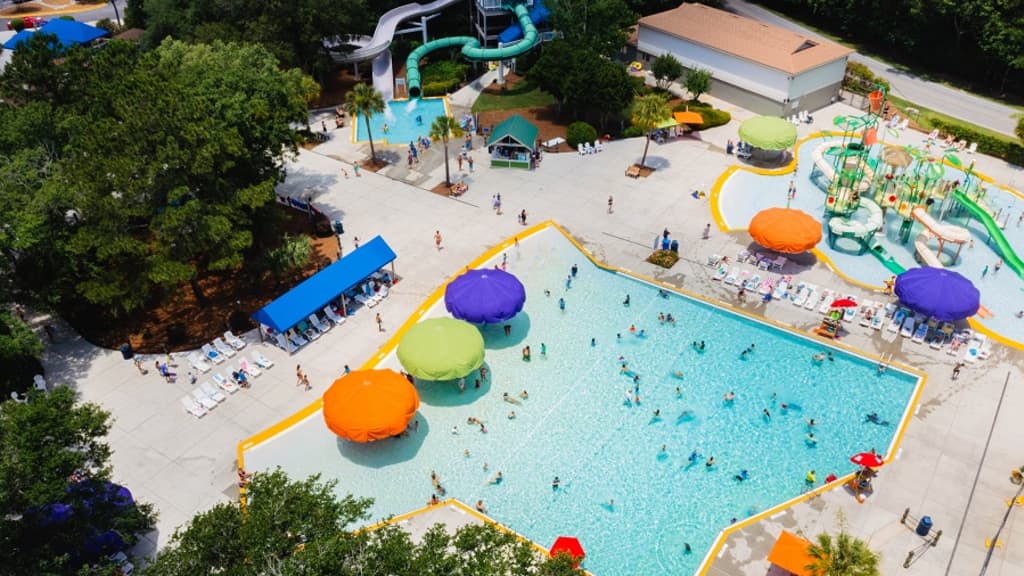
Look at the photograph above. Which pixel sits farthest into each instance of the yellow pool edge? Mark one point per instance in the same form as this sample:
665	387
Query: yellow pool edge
435	296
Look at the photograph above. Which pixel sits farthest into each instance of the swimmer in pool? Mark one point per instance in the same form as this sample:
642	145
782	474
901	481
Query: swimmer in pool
729	396
670	319
543	349
632	329
512	415
819	357
555	483
784	406
810	478
811	423
509	398
636	378
524	395
679	393
626	301
693	456
743	475
593	342
657	415
710	462
661	317
497	478
679	375
767	414
811	439
643	333
561	304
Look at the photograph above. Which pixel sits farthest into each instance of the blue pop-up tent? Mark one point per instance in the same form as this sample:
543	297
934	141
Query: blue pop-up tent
316	291
68	33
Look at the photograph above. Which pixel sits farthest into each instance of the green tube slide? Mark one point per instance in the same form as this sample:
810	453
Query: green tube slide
1009	256
471	49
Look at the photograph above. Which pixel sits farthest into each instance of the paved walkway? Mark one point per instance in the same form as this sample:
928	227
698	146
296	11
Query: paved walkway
183	465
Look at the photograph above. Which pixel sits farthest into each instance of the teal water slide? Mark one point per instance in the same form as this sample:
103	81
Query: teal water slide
982	215
471	49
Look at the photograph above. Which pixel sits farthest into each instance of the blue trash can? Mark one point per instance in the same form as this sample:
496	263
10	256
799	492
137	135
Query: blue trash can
674	246
924	526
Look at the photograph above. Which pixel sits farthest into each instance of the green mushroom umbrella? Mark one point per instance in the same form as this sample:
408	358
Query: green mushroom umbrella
768	133
441	349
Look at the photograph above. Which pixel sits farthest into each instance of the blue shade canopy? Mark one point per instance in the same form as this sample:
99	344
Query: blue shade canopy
316	291
938	292
485	296
68	33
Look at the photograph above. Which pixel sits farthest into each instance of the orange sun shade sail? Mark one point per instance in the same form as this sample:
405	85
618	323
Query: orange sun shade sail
687	117
370	405
790	554
785	230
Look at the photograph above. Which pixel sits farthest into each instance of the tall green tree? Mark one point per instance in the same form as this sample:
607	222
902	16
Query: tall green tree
582	80
444	128
697	82
666	70
363	100
648	111
45	441
841	555
599	26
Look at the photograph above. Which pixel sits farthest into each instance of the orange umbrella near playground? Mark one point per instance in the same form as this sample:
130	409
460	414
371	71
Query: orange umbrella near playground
687	117
785	230
369	405
568	545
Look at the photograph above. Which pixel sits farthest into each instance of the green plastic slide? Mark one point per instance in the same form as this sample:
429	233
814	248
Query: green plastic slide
471	49
1009	256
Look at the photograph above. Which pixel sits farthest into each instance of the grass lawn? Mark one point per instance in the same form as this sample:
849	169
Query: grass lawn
924	119
522	95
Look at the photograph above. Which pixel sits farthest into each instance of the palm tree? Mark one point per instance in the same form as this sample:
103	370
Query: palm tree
648	111
364	101
443	128
842	556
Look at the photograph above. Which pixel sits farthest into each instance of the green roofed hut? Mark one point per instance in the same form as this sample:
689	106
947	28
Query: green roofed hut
511	143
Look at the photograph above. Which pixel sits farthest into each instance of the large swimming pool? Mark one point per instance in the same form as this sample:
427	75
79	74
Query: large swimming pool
406	121
576	424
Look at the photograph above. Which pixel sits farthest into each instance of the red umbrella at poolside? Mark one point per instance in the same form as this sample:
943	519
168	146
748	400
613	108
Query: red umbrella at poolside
568	545
843	303
867	459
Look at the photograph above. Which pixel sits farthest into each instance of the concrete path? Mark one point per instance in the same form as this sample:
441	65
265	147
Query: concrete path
184	465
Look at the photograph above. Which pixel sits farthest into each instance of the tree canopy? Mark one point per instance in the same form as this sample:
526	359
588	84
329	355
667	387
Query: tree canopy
131	173
697	82
300	527
582	80
648	110
53	452
666	70
598	26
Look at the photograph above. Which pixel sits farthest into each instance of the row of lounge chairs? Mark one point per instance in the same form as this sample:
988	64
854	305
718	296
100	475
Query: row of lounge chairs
216	352
209	394
586	148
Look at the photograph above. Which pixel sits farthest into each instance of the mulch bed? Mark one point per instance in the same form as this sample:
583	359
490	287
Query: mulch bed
545	118
181	324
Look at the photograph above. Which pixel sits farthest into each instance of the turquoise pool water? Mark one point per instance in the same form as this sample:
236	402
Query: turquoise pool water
746	193
407	121
576	425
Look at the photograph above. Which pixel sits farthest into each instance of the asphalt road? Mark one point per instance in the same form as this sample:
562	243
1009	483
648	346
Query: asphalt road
938	97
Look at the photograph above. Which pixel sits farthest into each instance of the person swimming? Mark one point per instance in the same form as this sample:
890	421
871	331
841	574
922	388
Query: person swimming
679	392
729	396
661	317
698	346
811	423
670	319
810	478
742	475
512	415
767	414
555	483
497	478
632	329
626	301
593	342
819	357
561	304
524	395
657	414
526	353
811	439
662	293
642	334
543	349
875	419
693	456
508	398
677	374
710	462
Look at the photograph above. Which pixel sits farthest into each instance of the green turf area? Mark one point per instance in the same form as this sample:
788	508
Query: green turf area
924	119
523	95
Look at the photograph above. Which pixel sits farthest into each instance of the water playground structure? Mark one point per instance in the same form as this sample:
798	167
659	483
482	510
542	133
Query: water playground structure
862	187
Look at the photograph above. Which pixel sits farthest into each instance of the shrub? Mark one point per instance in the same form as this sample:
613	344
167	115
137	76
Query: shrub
108	25
1020	127
713	117
444	70
66	17
1005	149
632	132
439	88
663	258
579	132
17	24
860	79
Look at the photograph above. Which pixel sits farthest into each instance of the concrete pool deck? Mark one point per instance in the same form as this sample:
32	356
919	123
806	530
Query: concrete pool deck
183	465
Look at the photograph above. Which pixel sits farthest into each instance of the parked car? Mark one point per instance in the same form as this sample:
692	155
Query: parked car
30	22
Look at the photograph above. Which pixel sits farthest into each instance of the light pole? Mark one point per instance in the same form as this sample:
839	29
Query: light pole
988	556
116	13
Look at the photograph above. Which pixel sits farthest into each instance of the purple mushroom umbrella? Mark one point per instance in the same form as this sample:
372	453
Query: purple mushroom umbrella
938	292
485	296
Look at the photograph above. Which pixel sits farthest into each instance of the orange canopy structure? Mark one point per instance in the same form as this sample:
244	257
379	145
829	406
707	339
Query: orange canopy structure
790	554
687	117
785	230
370	405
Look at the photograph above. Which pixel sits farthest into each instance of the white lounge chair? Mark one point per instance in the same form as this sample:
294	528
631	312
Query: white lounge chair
826	303
752	284
971	353
920	334
318	323
223	347
582	150
212	354
730	278
742	256
764	264
192	407
212	392
197	362
907	328
225	384
235	342
984	346
282	342
20	399
366	301
588	147
598	146
850	314
937	340
251	370
779	263
803	294
780	289
261	360
297	340
201	398
40	383
868	311
720	273
903	125
972	148
897	320
333	316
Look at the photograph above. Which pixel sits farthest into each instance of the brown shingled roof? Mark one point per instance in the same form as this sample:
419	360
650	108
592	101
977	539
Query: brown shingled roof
756	41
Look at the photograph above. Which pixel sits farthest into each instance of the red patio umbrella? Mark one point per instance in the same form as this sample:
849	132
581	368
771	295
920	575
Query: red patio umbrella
843	303
867	459
568	545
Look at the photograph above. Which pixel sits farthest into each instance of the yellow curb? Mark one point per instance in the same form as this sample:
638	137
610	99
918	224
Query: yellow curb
76	9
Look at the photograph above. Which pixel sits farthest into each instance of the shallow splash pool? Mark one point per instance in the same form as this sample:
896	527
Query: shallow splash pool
628	489
406	120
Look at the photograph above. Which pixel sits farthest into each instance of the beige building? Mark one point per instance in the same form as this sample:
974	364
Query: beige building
761	67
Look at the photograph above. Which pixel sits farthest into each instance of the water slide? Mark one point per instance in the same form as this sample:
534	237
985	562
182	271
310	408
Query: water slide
471	49
1009	256
944	232
378	45
855	228
927	256
829	171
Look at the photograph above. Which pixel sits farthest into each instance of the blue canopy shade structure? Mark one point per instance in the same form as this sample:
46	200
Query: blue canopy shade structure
68	33
938	292
316	291
485	296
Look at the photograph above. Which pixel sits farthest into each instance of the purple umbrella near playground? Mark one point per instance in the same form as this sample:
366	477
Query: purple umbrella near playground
938	292
485	296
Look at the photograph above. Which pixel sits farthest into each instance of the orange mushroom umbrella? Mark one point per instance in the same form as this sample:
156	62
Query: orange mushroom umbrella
687	117
369	405
785	230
